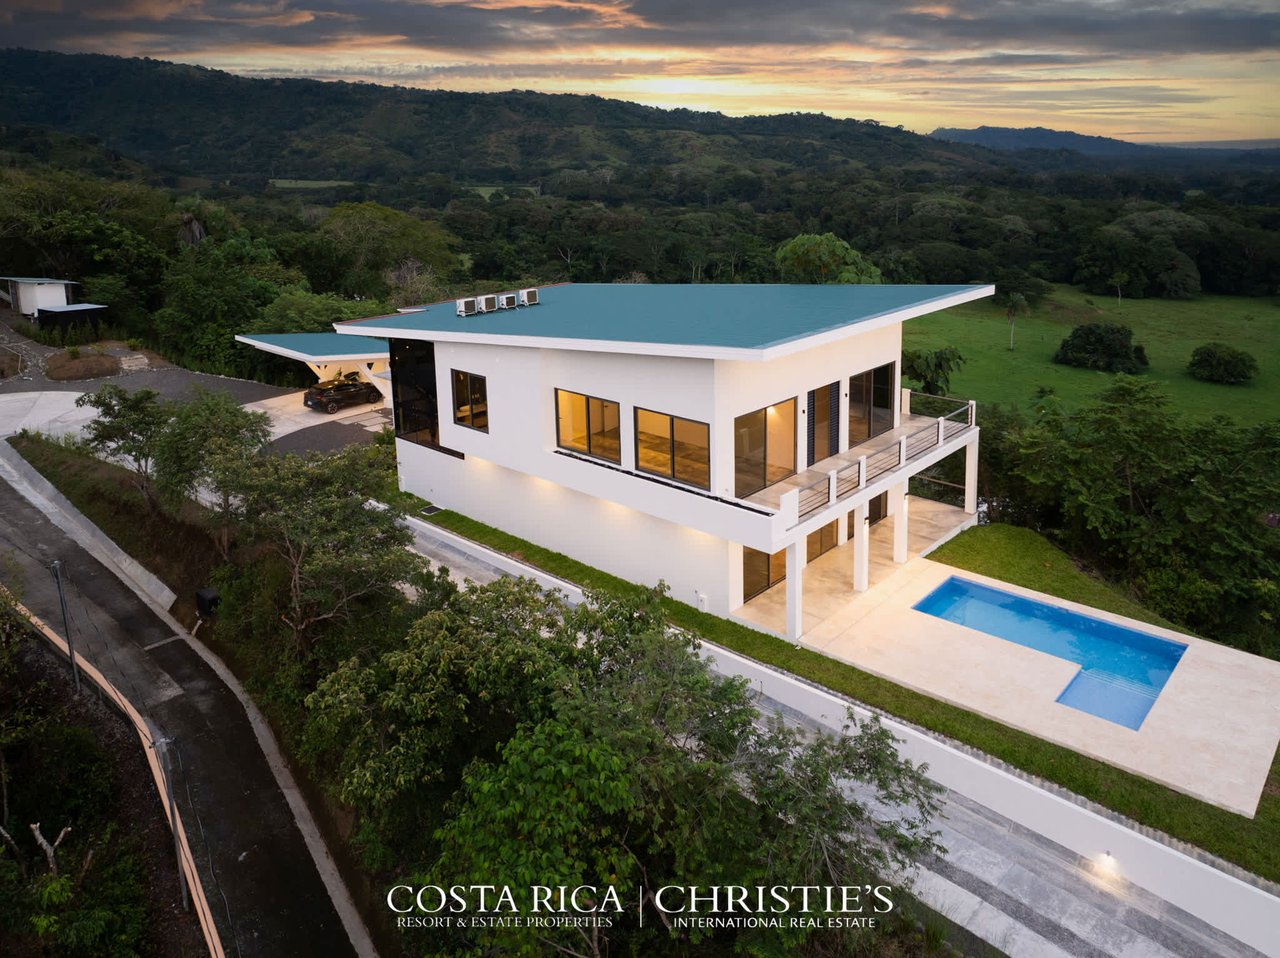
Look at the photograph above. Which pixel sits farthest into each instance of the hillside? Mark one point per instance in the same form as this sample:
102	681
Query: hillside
1040	138
185	119
1034	144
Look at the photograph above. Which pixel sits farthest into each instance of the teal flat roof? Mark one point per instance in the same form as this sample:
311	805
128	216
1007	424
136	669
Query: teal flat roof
713	320
317	347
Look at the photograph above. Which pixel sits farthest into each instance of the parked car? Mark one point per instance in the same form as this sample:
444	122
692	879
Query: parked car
332	394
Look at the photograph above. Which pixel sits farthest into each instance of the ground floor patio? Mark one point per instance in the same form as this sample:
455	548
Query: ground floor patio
829	581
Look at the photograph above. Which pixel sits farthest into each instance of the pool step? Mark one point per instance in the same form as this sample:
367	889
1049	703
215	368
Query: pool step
1121	682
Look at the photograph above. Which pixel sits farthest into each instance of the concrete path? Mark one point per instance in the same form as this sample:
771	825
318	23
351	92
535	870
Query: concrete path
268	896
1013	888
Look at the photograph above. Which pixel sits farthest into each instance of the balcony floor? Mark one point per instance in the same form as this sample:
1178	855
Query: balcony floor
771	496
828	579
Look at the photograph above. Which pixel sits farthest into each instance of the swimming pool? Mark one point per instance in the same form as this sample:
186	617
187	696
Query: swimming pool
1121	670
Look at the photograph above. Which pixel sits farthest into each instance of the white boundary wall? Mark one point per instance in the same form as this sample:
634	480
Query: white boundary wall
1238	908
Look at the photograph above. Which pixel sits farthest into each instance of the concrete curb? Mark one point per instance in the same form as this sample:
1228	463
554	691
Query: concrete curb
70	520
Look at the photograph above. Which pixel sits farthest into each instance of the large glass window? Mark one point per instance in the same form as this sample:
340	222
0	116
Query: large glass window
820	541
764	447
588	425
871	403
413	391
761	571
470	401
674	447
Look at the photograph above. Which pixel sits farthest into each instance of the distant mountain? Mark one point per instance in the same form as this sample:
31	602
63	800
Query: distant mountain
1104	149
183	119
1039	138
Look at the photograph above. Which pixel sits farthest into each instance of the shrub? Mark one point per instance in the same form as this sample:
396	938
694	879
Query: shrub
73	352
1105	346
1220	363
133	343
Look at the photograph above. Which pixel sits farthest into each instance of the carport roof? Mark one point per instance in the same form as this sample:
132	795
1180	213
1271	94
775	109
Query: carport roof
318	347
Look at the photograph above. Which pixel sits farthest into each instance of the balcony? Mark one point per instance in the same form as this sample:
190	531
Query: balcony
839	477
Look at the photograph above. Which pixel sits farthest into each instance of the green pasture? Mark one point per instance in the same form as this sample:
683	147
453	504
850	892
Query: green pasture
1169	329
309	184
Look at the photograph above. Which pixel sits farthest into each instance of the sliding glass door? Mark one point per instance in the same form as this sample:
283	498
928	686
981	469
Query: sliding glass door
764	447
871	403
760	571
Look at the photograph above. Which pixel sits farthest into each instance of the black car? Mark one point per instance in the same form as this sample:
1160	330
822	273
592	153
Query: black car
333	394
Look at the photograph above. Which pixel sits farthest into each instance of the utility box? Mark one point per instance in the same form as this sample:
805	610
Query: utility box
207	601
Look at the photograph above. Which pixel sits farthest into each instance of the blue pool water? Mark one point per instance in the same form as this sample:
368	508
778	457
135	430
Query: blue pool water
1121	670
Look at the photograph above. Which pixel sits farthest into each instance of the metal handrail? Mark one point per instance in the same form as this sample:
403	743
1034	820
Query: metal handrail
885	459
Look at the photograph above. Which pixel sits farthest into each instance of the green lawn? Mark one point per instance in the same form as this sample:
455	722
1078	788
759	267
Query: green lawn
1168	329
1015	555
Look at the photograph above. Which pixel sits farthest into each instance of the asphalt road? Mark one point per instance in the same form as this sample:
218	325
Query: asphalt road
263	887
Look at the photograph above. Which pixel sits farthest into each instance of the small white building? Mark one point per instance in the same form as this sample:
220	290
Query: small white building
715	437
29	294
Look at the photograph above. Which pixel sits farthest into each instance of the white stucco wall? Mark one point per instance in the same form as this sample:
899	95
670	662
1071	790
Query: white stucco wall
33	296
626	542
743	387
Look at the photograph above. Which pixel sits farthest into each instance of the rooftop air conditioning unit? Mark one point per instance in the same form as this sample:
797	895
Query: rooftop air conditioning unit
467	307
528	297
507	300
487	303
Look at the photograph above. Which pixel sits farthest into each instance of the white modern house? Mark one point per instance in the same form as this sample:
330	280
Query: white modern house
715	437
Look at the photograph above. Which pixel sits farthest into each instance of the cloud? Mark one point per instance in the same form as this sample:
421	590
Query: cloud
844	55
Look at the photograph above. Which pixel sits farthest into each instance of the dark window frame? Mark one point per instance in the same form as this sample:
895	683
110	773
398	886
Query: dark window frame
770	581
587	397
795	431
453	383
671	418
894	387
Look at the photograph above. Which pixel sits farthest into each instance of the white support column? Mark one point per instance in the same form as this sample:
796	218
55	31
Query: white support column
861	536
971	477
899	496
796	555
842	529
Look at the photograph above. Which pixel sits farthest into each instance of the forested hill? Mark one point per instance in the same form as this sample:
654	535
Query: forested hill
185	119
1040	138
1104	149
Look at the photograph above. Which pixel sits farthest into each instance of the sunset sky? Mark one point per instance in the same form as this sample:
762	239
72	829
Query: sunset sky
1174	70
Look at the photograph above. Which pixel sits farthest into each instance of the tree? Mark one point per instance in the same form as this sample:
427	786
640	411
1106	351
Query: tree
399	730
1220	363
1107	347
128	426
1134	488
809	258
932	368
650	770
198	433
1015	305
316	515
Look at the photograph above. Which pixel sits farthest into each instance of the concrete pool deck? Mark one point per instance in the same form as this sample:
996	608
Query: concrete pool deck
1212	732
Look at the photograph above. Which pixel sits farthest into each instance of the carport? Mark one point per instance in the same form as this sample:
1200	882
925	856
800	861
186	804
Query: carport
329	355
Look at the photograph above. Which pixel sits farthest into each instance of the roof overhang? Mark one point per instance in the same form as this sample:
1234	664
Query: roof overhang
70	308
303	347
764	353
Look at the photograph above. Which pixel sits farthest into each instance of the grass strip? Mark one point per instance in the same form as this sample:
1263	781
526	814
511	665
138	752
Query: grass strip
1016	555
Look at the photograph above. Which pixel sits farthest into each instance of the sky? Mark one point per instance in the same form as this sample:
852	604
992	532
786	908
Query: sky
1141	70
